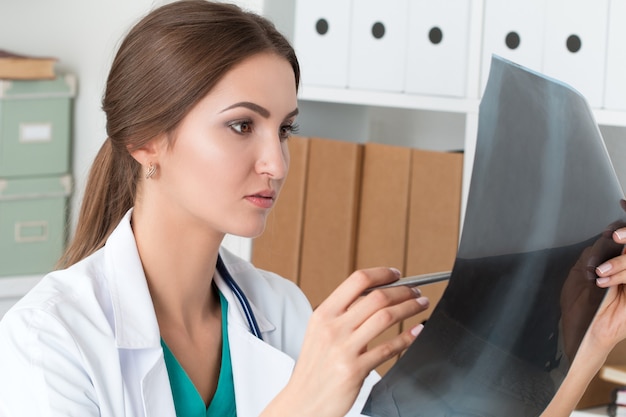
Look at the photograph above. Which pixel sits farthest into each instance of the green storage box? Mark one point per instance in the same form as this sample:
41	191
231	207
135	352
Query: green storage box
33	218
35	126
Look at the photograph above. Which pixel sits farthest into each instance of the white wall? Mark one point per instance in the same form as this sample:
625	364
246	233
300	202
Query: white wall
83	35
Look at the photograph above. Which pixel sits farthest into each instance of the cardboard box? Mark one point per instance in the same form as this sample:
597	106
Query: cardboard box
383	215
378	45
383	211
322	41
33	215
513	30
615	84
434	220
575	45
437	47
330	216
35	126
278	248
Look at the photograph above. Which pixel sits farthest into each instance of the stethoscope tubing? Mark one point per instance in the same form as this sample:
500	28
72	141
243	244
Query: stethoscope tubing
241	297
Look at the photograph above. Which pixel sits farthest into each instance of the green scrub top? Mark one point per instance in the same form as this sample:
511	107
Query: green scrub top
187	400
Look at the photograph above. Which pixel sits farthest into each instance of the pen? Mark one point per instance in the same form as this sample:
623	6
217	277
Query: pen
414	281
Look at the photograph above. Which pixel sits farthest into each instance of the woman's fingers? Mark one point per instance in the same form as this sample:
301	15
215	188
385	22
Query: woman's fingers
351	289
619	235
378	301
352	324
365	317
382	319
381	353
613	271
611	279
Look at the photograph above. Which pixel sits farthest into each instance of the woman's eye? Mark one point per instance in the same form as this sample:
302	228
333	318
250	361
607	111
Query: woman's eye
288	130
241	127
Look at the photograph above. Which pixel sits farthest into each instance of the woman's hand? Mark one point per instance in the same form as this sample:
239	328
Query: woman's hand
609	325
335	359
606	330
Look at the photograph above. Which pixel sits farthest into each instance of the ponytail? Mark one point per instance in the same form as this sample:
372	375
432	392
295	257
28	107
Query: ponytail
109	194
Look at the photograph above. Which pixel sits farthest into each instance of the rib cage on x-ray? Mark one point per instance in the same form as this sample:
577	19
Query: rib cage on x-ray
542	204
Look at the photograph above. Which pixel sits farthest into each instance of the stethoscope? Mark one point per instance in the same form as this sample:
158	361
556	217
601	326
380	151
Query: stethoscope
241	297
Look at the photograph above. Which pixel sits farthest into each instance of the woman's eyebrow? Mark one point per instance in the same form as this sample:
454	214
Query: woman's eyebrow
258	109
252	106
293	113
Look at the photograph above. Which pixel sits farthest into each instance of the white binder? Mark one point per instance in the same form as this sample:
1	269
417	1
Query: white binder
615	83
513	29
575	45
378	45
437	47
321	41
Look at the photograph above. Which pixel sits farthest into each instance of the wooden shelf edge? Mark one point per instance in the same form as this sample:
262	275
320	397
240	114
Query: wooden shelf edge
388	99
596	411
17	286
603	117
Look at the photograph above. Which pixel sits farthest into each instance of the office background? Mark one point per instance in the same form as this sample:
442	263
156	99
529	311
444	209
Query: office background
83	35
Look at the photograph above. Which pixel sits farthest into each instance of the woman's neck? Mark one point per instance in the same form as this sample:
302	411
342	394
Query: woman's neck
178	258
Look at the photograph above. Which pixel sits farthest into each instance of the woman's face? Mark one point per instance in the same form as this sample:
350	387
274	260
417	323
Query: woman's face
230	158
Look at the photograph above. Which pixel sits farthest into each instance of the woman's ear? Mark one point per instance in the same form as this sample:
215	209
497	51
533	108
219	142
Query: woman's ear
149	152
148	156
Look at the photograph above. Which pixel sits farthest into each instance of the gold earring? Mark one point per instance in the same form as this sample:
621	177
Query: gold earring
151	171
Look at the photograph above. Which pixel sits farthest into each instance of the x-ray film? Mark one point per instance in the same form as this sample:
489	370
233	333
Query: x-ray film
543	202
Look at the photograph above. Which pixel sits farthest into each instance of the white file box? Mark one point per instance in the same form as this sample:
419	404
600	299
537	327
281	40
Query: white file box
438	36
378	45
321	41
513	29
615	83
575	45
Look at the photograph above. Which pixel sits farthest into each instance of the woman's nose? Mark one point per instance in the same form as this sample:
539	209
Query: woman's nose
273	159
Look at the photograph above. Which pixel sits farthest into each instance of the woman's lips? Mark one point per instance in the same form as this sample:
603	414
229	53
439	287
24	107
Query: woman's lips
263	200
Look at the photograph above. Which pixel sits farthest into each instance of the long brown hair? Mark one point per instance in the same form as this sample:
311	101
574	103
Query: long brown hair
167	63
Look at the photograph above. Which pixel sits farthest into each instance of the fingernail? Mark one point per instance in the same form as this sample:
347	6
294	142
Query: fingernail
417	291
396	272
602	281
621	234
604	268
417	329
423	301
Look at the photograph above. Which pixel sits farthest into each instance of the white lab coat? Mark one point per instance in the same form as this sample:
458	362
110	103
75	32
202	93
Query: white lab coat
85	341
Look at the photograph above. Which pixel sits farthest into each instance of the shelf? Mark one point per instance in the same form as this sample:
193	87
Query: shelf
386	99
12	288
610	117
17	286
591	412
417	102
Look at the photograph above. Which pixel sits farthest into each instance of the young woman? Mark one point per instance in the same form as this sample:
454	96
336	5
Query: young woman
151	317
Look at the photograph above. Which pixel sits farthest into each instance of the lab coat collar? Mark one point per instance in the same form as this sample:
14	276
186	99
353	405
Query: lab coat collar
260	371
136	326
